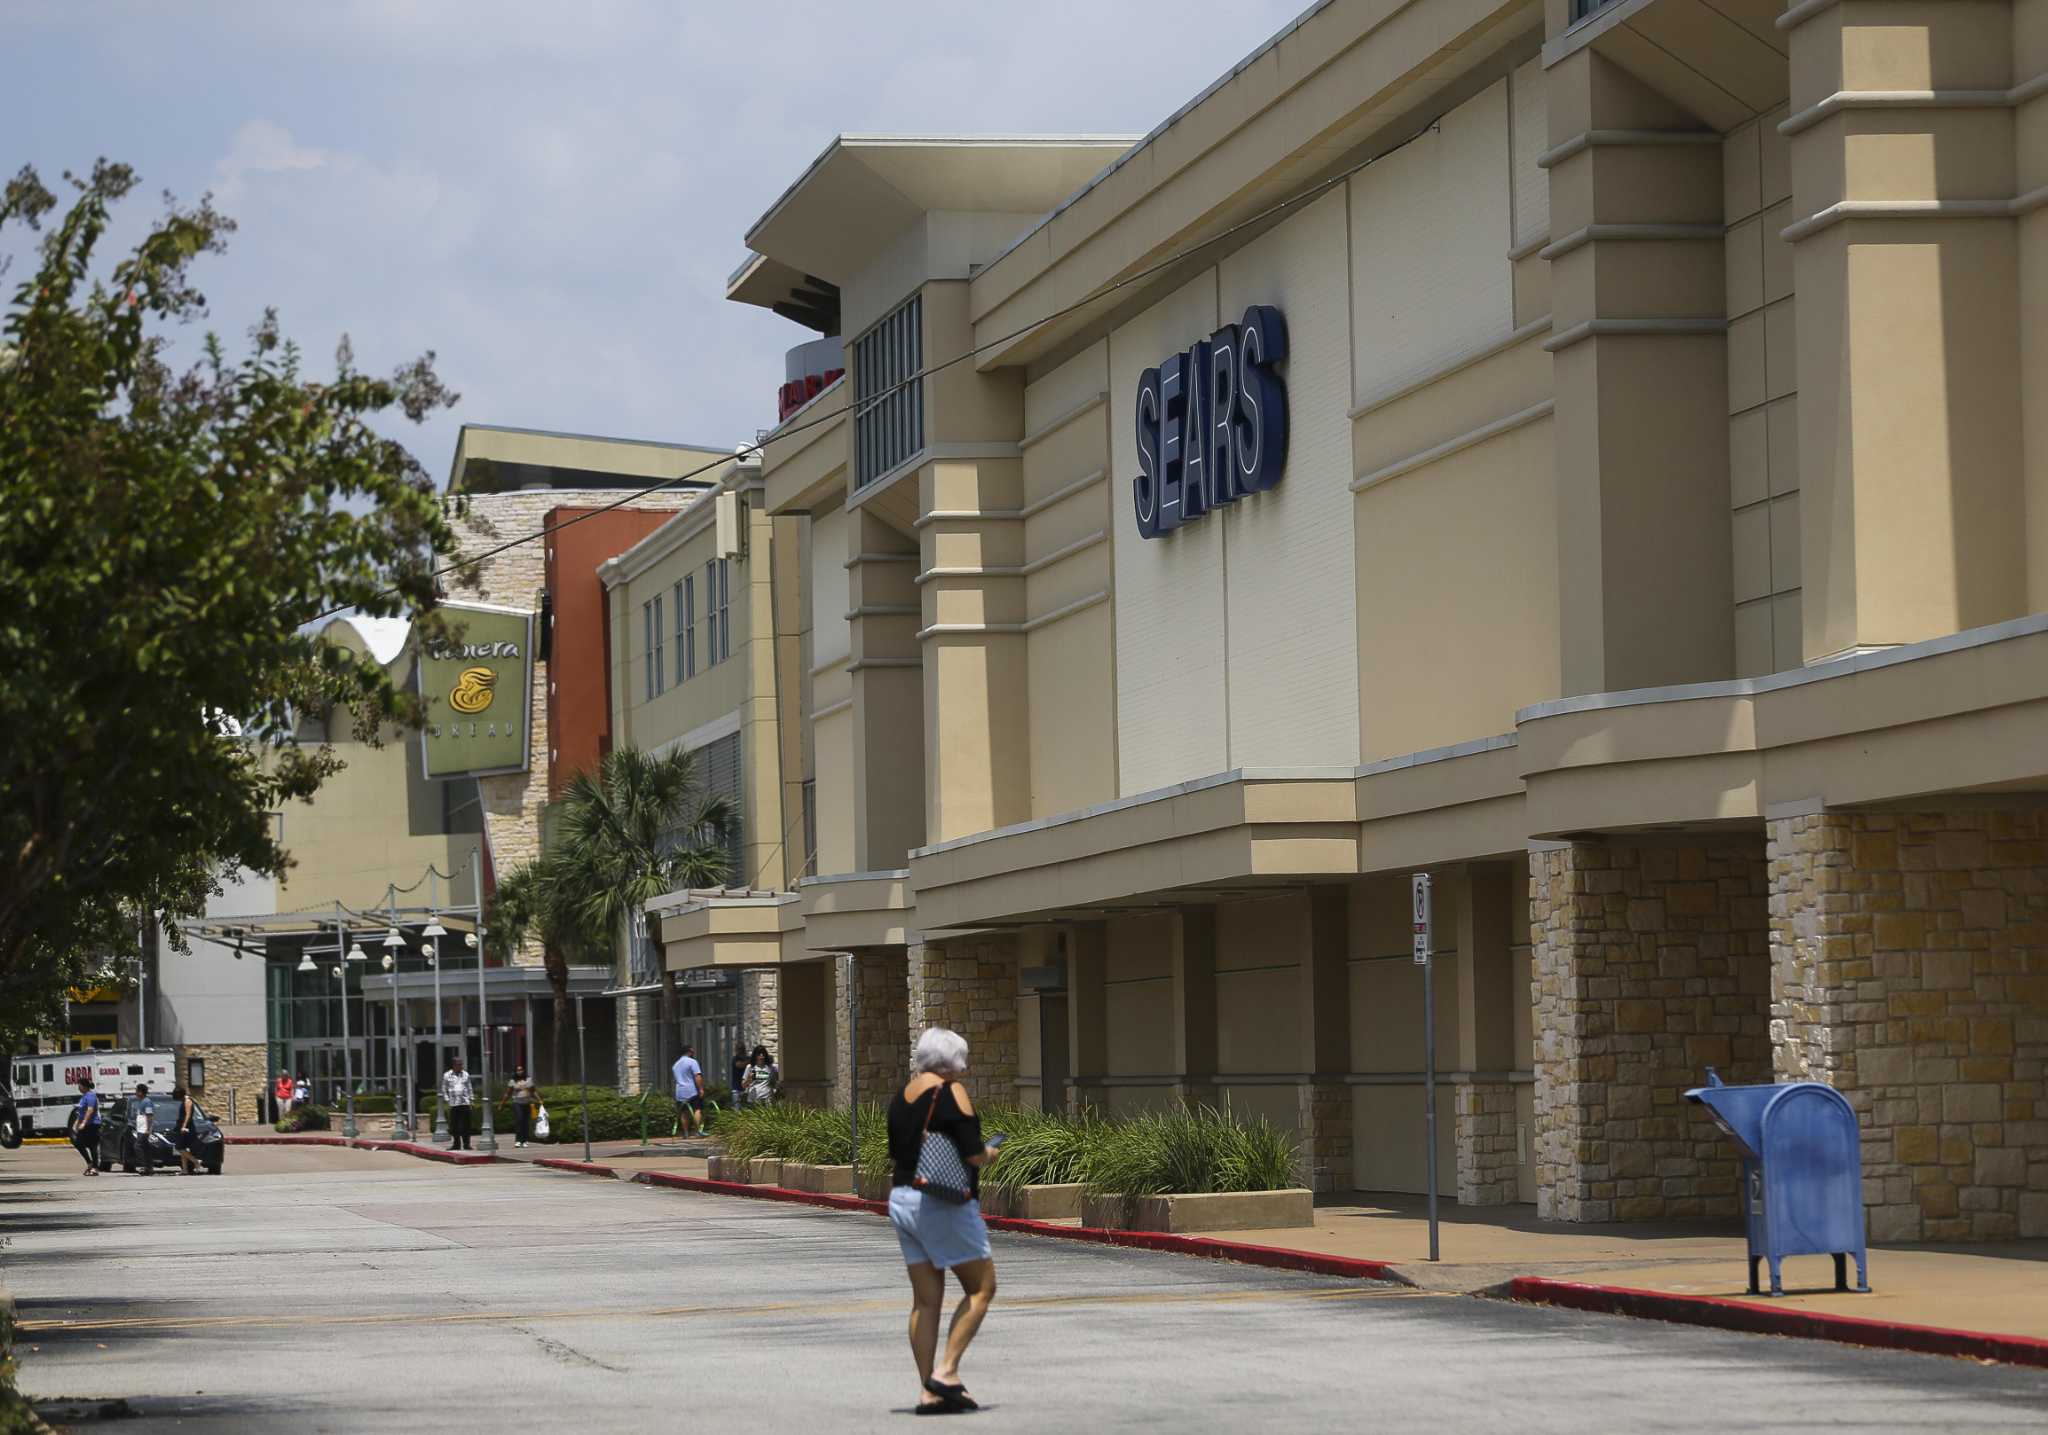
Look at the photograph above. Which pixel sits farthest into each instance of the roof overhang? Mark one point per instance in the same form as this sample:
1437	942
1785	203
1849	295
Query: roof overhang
799	297
728	928
1961	715
851	911
539	458
513	981
863	191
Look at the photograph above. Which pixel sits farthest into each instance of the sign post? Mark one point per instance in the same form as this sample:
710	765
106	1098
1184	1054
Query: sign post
1424	950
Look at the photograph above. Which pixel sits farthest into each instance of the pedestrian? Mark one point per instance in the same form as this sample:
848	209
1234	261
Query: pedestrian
457	1094
935	1206
84	1125
525	1096
183	1109
141	1127
689	1093
739	1077
763	1078
281	1095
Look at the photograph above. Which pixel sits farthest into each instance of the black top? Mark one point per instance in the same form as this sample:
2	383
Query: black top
906	1133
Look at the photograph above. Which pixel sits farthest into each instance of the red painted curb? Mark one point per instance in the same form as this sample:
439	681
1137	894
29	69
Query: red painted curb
287	1141
585	1168
408	1148
1725	1314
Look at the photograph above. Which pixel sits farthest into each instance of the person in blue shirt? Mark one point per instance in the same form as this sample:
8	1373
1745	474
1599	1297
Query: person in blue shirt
84	1125
689	1093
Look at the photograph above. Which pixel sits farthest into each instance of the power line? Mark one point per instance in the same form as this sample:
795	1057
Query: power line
1178	257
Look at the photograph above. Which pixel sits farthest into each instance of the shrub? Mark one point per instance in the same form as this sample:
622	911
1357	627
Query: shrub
303	1118
1045	1148
1196	1149
811	1135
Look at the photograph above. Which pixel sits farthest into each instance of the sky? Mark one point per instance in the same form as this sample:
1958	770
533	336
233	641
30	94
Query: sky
550	196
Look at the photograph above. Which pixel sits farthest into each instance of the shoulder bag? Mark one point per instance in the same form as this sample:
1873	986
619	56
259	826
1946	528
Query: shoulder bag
940	1170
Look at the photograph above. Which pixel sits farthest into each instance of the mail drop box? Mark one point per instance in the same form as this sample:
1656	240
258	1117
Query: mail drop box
1802	1172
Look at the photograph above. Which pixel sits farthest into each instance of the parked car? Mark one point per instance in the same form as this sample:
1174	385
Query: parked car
120	1147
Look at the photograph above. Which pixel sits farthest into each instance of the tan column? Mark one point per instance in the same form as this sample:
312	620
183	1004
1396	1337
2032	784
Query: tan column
1325	997
1484	1104
1637	292
1194	1004
888	693
1087	1013
808	1054
1907	263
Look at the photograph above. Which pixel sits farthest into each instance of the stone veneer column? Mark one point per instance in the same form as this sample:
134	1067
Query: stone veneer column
760	1010
237	1067
1324	994
1484	1133
884	1047
635	1065
1910	972
1651	963
970	985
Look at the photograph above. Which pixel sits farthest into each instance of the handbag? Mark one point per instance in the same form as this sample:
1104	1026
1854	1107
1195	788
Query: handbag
940	1171
540	1123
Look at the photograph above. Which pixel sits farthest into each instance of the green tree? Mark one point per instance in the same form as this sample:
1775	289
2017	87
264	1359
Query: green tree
167	537
640	827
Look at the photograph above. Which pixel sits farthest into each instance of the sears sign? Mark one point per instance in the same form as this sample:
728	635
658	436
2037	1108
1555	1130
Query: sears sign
1212	423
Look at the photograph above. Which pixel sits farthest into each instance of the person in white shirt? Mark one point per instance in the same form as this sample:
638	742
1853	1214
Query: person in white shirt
458	1095
689	1093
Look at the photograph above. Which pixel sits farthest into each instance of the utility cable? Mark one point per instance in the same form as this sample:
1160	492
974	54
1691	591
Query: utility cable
1314	191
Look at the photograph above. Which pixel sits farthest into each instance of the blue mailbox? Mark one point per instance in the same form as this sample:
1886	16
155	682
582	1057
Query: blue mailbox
1802	1172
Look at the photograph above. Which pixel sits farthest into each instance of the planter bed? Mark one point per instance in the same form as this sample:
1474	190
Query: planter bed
819	1180
1032	1203
1214	1211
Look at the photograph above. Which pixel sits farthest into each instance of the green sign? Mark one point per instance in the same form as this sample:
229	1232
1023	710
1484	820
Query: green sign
478	692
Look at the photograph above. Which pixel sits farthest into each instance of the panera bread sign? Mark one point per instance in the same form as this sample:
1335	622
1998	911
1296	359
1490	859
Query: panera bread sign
477	690
1212	423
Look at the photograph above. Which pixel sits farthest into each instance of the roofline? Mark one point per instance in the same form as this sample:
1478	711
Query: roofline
1142	142
724	448
928	141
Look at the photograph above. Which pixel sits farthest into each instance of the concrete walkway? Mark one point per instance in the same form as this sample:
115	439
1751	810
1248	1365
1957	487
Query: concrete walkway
2002	1288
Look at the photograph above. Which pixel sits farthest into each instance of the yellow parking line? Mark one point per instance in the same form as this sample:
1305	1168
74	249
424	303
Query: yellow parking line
276	1320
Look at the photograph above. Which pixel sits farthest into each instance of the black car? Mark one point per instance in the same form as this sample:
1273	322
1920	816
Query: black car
10	1120
120	1147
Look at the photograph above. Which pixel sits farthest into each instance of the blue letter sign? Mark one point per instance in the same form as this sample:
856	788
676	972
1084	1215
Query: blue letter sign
1212	423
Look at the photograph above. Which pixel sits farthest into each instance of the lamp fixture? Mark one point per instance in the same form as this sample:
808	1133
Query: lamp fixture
387	961
392	939
434	928
305	962
357	954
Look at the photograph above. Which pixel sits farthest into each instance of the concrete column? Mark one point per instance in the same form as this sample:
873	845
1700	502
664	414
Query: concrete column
1652	963
1638	282
1483	1108
888	694
1325	1119
1907	259
1087	1013
970	985
807	1054
874	981
1194	1005
1909	970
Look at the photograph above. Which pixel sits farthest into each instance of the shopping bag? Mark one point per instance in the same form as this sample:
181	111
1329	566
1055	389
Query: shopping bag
540	1124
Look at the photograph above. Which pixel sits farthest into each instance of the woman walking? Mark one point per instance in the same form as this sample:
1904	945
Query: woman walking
763	1076
934	1203
182	1109
525	1097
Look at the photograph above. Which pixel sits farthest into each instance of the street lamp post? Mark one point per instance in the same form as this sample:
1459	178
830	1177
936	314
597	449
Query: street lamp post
488	1141
401	1049
433	933
348	1070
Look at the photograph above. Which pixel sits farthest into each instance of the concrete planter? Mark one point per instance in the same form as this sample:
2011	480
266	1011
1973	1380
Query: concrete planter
819	1180
874	1188
1033	1203
761	1171
716	1169
1217	1211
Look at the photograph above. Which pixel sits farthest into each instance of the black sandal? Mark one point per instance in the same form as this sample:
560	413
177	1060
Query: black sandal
955	1397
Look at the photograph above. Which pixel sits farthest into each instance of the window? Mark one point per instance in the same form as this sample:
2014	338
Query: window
686	629
811	828
717	612
651	614
888	414
1582	8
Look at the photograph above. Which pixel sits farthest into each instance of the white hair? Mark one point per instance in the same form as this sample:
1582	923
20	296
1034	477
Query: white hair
941	1051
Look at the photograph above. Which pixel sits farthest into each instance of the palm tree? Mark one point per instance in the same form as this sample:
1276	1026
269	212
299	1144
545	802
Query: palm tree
641	827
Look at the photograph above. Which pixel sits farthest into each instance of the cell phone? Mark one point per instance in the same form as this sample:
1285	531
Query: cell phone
995	1139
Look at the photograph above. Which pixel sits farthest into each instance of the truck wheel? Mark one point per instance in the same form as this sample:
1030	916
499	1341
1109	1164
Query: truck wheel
10	1135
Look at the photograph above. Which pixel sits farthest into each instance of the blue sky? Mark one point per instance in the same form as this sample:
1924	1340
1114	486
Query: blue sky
550	195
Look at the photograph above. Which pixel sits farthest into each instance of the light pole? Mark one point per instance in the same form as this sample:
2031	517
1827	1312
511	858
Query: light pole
401	1049
488	1140
583	1076
348	1070
433	933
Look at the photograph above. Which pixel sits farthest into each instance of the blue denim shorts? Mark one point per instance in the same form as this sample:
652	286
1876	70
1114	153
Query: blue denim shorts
936	1232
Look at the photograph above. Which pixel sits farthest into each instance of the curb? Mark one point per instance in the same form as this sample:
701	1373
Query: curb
581	1168
1722	1313
709	1187
408	1148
